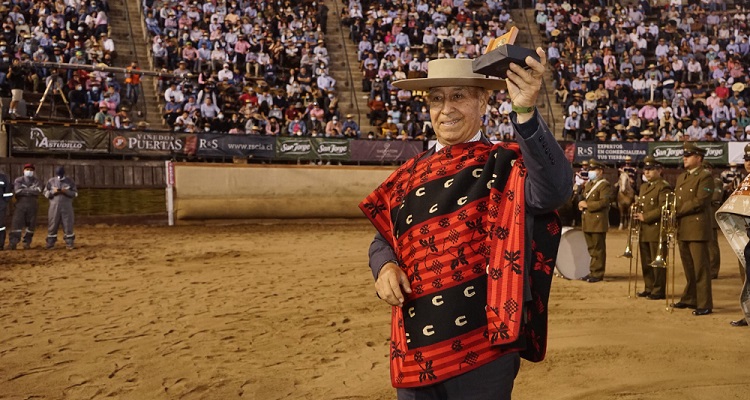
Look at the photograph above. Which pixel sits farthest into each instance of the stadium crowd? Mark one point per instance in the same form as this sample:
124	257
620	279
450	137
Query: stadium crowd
62	31
637	72
630	71
261	68
396	40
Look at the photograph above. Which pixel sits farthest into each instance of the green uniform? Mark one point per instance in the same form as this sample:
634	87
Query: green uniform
694	191
652	196
595	223
714	256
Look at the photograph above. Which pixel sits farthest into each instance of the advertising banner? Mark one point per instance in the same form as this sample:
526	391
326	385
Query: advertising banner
152	144
385	150
670	153
581	151
308	148
57	139
610	152
221	145
295	148
332	149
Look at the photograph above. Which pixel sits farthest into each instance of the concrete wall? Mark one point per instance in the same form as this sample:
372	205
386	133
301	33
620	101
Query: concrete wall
232	191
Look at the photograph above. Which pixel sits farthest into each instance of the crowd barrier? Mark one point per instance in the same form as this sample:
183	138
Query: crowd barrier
43	140
70	140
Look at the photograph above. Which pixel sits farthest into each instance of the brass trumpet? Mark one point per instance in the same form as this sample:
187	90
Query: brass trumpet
633	237
667	237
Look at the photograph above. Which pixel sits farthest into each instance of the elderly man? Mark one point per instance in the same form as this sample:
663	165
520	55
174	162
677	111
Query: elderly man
693	190
466	239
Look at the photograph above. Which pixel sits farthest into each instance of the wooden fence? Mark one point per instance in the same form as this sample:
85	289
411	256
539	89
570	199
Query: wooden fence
94	174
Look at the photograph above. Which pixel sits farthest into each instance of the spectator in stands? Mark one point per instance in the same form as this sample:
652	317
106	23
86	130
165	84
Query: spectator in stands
77	100
17	76
132	82
209	110
334	128
174	92
171	111
296	127
350	128
572	125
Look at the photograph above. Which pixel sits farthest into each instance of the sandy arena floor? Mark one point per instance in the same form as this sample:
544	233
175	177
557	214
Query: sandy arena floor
271	312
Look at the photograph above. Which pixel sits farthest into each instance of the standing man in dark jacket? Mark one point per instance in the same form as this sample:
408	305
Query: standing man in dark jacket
60	191
652	196
693	192
27	189
6	193
595	219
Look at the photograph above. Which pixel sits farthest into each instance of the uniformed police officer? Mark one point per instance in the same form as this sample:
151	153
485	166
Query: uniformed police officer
27	189
60	191
595	219
652	196
714	256
6	193
693	191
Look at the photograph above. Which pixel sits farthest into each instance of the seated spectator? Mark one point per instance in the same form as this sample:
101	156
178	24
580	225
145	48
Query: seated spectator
273	128
296	127
388	130
334	128
350	128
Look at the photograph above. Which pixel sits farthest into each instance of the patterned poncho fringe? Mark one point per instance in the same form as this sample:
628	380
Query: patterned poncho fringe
456	220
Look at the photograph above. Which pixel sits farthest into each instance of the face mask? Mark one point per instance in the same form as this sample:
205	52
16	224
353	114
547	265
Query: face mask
593	175
643	178
28	174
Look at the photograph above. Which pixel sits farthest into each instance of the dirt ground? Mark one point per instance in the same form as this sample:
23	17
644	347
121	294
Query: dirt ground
270	311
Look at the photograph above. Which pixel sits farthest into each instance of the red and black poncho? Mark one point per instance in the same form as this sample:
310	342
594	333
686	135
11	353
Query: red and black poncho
457	222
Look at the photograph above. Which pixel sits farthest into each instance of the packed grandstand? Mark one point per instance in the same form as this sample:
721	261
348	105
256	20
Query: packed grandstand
635	71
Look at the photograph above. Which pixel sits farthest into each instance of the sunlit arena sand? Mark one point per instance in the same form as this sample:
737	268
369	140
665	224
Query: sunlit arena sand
288	311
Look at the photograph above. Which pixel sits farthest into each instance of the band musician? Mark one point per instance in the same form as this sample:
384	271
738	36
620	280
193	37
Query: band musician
652	196
595	219
693	192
